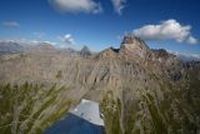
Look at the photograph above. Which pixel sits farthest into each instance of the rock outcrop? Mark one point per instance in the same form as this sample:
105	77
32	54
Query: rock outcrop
134	46
85	51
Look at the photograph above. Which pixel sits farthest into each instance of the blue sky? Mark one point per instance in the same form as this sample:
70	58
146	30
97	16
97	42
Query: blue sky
101	23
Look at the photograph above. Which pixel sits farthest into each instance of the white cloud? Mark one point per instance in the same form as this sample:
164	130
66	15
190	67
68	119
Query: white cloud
167	30
74	6
28	42
67	39
50	42
192	40
12	24
118	5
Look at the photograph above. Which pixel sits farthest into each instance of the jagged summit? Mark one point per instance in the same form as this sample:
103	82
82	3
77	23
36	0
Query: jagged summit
85	51
135	49
131	46
131	39
135	46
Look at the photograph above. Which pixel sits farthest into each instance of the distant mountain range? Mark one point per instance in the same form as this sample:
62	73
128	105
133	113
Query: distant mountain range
11	47
14	47
188	57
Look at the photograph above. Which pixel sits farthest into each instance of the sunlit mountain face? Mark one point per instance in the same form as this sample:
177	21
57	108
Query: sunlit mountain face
99	67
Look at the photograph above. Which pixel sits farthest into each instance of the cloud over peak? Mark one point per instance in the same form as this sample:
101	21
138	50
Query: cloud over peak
76	6
167	30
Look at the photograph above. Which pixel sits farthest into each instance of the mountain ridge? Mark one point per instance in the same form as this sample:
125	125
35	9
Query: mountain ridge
132	84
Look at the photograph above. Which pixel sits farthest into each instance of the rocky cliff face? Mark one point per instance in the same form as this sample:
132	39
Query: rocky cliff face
134	47
140	90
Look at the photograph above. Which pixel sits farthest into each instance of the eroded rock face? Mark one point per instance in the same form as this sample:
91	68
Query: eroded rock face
111	68
134	46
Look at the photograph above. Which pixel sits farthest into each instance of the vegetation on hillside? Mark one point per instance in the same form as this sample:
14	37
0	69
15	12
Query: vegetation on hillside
30	108
167	110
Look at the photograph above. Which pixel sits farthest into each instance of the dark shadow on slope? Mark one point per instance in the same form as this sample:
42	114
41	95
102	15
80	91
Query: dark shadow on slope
73	124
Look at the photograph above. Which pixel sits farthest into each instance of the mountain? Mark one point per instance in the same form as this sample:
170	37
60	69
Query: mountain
188	58
85	51
41	47
9	47
16	47
140	90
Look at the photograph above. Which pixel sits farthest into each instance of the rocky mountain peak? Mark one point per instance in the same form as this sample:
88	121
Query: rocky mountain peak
135	46
130	39
85	51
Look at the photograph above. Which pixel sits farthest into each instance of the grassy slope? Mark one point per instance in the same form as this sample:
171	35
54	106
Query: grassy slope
31	108
170	109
